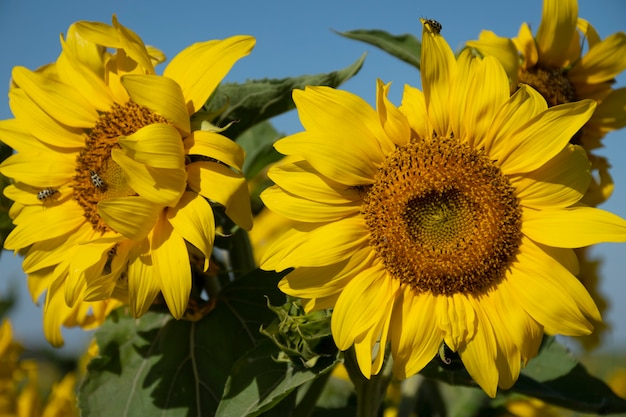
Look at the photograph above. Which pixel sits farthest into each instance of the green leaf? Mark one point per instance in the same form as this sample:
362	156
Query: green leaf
258	143
258	382
405	47
258	100
554	376
156	365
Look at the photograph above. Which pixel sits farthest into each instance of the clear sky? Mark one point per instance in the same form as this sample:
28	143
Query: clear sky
293	38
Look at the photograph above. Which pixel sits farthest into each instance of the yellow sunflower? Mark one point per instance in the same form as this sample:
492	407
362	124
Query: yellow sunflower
557	65
449	219
112	186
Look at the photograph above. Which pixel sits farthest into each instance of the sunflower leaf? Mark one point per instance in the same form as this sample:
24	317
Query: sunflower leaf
553	376
157	365
556	377
252	102
258	382
405	47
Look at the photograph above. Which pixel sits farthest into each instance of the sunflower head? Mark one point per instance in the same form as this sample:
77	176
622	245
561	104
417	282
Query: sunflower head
441	222
114	190
566	61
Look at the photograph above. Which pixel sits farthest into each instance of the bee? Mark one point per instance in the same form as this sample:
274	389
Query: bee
434	25
96	180
46	193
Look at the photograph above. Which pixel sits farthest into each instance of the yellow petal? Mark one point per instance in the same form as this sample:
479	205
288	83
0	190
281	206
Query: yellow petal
611	113
171	262
561	182
566	310
479	354
543	137
98	33
216	146
360	305
602	63
132	217
556	30
504	49
222	185
89	84
415	337
156	145
391	118
199	68
290	239
193	219
51	252
56	311
90	54
61	101
488	90
161	186
37	225
88	260
358	161
300	179
525	43
302	209
574	227
414	107
323	281
456	319
43	126
133	46
161	95
15	135
438	70
40	169
143	284
328	244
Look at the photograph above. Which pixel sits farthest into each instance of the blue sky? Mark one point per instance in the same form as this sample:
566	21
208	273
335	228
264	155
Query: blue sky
294	38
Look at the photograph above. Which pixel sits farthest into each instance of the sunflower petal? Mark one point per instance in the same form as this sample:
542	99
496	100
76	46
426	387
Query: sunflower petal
502	48
57	99
602	63
556	30
40	169
199	68
193	219
143	286
544	136
302	209
392	120
161	95
171	260
161	186
216	146
156	145
415	337
37	225
561	182
573	227
224	186
132	217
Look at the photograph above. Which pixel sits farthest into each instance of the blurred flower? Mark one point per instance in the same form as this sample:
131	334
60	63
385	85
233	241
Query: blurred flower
112	183
553	62
19	384
446	220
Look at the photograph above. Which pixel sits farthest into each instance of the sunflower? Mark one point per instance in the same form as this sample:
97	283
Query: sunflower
556	64
113	188
442	223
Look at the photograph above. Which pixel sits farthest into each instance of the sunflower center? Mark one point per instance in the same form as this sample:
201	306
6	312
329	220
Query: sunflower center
551	82
443	218
97	176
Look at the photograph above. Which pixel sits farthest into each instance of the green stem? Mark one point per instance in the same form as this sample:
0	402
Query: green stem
370	393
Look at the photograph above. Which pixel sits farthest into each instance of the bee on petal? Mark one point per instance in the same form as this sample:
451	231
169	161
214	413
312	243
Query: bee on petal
46	194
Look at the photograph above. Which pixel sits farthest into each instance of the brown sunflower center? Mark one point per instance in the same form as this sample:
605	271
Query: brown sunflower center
443	218
551	82
97	176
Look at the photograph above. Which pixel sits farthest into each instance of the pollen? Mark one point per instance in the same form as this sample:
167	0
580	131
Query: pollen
443	218
94	160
